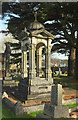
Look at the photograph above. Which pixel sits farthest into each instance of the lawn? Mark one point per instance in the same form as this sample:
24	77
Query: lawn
6	113
66	81
72	105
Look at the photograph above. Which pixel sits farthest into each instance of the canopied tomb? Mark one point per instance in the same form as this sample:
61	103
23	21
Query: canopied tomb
36	38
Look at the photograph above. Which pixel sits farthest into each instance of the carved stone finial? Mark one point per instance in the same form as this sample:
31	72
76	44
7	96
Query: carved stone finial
35	15
25	29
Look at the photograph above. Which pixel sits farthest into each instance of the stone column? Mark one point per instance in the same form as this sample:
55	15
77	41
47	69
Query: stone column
22	65
32	71
25	72
39	62
48	63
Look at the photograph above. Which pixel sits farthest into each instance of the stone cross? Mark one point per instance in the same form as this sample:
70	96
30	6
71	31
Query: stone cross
56	95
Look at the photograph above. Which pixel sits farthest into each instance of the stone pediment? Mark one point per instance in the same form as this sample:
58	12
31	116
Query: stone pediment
44	34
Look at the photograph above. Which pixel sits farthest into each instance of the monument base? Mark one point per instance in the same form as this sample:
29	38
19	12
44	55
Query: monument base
9	82
55	109
34	89
54	112
59	111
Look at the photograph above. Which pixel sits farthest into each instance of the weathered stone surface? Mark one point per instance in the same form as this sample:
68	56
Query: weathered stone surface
8	78
56	111
24	63
40	89
70	101
9	82
56	95
34	108
18	108
8	103
43	116
41	81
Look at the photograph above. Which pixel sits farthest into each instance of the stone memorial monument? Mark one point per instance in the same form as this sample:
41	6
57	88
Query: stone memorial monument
8	79
32	82
55	109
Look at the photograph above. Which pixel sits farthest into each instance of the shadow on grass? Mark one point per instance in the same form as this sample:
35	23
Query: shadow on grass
8	114
66	82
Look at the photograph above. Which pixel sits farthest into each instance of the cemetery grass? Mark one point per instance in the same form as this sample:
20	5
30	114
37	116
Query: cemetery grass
17	78
72	105
7	113
66	82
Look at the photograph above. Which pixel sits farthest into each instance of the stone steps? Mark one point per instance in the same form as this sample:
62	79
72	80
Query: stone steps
10	85
8	81
36	89
32	99
39	96
40	82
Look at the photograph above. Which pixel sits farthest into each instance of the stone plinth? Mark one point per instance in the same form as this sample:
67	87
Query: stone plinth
9	82
55	109
33	89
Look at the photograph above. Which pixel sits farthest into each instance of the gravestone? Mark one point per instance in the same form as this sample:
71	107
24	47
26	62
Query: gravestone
8	79
55	109
18	108
56	95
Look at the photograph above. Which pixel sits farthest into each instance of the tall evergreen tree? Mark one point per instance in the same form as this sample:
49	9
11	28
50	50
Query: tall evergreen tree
63	24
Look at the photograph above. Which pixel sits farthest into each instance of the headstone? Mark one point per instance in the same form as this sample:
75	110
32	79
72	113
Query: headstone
56	95
7	59
8	79
55	109
18	108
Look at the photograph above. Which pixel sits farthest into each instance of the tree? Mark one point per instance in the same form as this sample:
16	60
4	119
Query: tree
16	24
64	27
64	24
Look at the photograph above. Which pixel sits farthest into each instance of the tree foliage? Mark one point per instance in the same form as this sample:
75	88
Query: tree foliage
63	24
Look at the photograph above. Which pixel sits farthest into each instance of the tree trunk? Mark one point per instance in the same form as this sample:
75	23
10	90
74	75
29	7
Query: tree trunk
76	72
72	62
69	72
